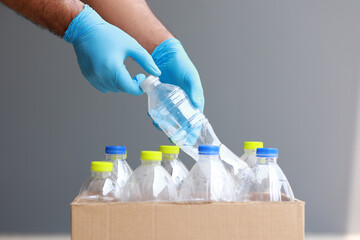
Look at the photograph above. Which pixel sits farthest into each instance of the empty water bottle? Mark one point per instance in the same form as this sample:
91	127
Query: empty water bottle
121	169
150	181
271	183
100	186
172	164
250	152
186	126
208	180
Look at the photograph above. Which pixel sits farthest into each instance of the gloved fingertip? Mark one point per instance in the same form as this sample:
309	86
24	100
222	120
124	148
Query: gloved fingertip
157	126
115	90
156	72
202	105
199	102
134	89
138	79
101	89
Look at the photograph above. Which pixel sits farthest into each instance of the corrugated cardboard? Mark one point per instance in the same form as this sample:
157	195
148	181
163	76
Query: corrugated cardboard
184	221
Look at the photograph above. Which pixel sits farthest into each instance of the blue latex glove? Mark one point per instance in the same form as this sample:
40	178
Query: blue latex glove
177	68
101	50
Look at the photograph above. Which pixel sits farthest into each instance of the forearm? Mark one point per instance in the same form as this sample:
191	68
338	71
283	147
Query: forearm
134	17
55	15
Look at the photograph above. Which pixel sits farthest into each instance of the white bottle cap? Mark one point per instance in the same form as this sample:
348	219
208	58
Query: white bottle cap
147	82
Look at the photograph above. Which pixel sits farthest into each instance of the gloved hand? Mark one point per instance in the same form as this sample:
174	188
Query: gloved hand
177	68
101	50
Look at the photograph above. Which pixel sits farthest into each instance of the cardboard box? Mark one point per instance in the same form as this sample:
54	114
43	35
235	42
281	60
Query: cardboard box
185	221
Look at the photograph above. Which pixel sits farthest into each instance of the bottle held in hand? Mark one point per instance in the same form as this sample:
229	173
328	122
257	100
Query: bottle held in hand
186	126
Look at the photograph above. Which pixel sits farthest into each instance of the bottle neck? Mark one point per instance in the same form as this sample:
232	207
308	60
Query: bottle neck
170	157
208	157
148	88
101	174
265	160
114	157
150	163
250	151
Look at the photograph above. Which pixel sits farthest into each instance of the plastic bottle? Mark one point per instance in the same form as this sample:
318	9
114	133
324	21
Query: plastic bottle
150	182
173	165
186	126
121	169
271	183
208	180
100	186
250	152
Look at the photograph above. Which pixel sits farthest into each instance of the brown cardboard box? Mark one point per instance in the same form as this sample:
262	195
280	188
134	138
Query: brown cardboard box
181	221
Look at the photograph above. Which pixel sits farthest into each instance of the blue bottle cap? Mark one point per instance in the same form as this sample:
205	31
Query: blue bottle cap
267	152
209	150
115	150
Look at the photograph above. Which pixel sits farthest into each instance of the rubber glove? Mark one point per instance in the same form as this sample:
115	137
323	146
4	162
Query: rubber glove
101	50
177	68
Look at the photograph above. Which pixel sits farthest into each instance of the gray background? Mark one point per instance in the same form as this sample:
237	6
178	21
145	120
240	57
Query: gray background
285	72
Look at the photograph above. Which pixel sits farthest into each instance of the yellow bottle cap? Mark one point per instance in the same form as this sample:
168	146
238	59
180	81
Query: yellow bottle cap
169	149
151	156
253	145
101	166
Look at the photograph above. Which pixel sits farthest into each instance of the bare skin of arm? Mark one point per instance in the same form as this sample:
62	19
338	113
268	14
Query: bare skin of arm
53	15
135	18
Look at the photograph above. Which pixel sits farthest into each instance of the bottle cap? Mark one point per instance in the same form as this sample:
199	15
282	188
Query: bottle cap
208	150
147	82
101	166
169	149
267	152
151	156
253	145
115	150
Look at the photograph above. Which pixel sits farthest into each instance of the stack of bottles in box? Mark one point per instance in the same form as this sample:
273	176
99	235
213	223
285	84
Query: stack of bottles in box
162	177
218	174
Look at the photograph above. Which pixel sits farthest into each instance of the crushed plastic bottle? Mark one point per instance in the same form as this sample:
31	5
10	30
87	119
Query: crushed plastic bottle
271	183
208	180
173	165
249	155
100	186
121	169
187	127
150	182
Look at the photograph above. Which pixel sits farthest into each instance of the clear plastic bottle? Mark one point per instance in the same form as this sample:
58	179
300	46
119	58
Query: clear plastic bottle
150	182
271	183
121	169
208	180
186	126
100	186
173	165
249	155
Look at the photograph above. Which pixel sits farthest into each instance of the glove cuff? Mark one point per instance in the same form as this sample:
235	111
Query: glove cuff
166	48
82	23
